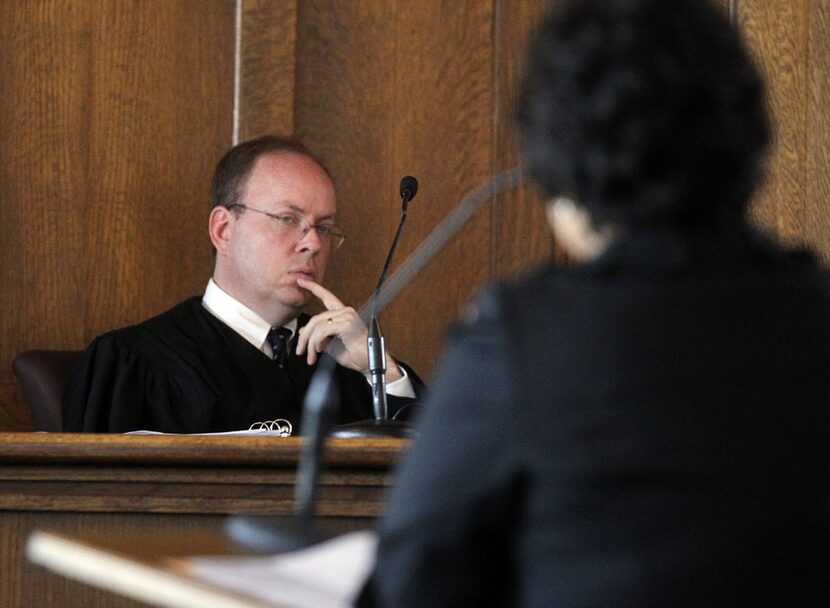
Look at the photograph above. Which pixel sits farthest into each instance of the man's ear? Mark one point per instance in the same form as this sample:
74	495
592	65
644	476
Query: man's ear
574	229
220	226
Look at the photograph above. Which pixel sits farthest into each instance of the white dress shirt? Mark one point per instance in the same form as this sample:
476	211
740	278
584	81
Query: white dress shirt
254	329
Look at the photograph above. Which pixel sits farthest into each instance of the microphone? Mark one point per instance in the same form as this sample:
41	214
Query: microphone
381	425
274	533
408	190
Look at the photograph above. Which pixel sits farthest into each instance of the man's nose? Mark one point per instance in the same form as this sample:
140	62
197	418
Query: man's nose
310	240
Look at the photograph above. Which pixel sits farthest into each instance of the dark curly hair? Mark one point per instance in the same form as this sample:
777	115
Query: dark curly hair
643	111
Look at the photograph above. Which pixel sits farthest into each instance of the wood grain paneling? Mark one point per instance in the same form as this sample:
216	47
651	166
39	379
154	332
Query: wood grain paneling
817	147
389	89
789	42
114	113
14	413
32	585
160	118
36	586
520	231
345	50
266	103
120	486
44	68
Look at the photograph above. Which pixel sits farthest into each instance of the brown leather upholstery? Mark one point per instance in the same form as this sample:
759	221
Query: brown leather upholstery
42	375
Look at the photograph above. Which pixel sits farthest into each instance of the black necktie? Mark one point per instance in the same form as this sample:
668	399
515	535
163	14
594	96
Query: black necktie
278	340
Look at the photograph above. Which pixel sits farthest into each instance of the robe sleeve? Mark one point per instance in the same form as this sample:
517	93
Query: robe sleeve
117	389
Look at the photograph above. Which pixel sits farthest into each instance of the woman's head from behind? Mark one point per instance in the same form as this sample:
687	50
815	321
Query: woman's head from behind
643	111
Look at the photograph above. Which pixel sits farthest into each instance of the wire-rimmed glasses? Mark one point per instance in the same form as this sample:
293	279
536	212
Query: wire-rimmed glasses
293	225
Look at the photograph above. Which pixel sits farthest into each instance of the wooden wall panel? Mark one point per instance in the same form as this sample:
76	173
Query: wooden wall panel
390	89
14	414
345	112
45	76
789	41
266	103
520	231
114	113
160	119
34	586
774	30
817	147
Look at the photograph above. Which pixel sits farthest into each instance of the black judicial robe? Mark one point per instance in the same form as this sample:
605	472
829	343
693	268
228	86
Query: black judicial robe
185	371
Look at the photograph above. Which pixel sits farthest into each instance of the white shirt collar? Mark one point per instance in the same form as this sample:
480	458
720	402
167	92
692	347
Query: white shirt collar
239	317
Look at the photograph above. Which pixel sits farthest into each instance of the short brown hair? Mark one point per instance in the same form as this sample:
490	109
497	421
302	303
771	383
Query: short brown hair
233	169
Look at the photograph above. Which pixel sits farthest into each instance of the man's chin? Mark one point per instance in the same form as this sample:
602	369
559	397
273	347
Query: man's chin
295	298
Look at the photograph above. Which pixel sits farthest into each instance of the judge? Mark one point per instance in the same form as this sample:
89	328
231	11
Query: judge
244	352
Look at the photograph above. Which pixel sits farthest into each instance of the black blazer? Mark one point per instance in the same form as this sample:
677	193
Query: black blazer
649	430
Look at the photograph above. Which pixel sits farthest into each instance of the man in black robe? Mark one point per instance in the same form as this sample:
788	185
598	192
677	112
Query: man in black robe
243	353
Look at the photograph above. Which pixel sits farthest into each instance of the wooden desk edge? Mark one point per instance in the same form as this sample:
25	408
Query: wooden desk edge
199	450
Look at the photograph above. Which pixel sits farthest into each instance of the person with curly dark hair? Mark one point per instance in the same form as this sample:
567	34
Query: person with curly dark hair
646	426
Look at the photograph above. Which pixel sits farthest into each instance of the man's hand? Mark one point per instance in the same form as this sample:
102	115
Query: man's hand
343	322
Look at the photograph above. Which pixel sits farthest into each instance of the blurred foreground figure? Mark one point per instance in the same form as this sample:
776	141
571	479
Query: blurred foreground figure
648	426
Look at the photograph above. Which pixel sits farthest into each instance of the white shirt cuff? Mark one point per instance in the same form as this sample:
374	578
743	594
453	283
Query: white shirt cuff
402	387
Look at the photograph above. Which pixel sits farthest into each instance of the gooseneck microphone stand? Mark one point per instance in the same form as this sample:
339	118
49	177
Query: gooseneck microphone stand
381	425
277	534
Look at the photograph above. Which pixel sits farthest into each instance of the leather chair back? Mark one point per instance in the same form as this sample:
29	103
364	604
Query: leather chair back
42	375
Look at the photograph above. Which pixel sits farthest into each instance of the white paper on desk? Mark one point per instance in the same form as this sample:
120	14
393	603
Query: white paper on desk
331	573
243	433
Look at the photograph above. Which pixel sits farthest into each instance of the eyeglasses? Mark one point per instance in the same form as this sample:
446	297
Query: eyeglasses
292	225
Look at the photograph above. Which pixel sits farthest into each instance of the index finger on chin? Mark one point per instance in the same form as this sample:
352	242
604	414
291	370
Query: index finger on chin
329	300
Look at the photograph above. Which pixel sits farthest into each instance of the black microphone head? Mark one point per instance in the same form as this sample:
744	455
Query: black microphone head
409	188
